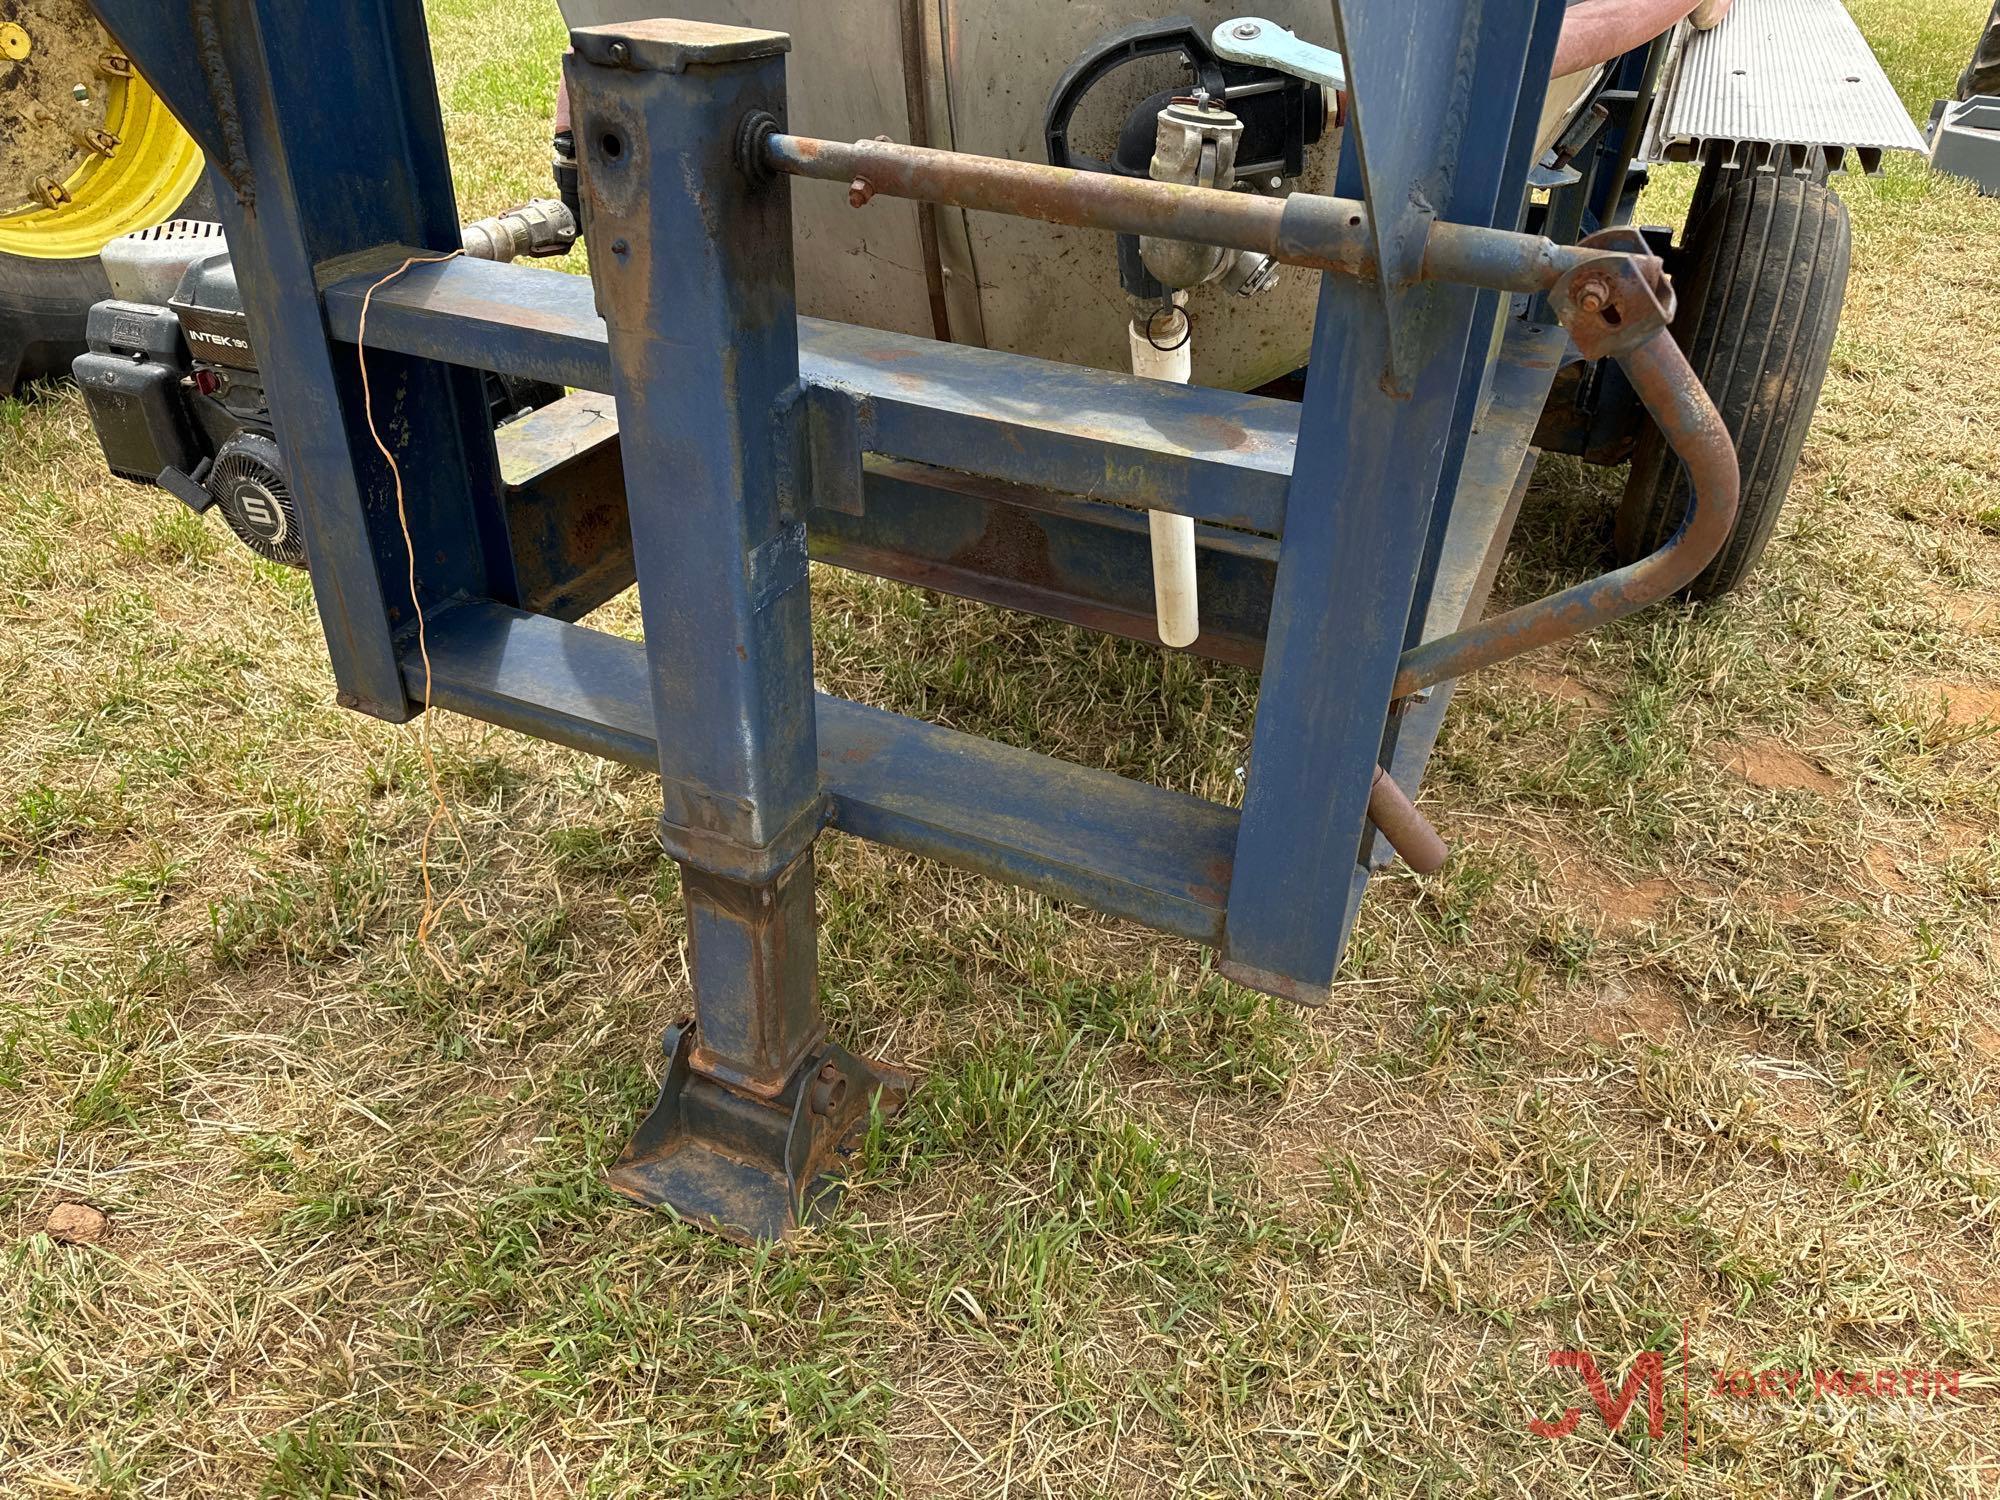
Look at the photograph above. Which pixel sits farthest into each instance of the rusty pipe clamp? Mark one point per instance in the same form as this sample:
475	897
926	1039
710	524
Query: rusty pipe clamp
1616	304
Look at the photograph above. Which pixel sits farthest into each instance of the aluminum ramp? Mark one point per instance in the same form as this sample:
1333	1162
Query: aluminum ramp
1775	83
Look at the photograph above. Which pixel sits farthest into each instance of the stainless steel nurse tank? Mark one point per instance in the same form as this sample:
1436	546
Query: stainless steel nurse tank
979	76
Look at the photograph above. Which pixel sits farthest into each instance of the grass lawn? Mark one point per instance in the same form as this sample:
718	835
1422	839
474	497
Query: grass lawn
1693	1049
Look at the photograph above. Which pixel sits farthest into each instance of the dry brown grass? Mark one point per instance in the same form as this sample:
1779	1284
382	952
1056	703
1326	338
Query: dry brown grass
1701	1030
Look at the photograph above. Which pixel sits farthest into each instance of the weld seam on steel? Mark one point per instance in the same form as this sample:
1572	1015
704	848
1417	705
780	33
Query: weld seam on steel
1671	391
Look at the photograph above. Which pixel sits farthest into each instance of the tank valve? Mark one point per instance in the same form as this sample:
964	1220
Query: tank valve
1196	147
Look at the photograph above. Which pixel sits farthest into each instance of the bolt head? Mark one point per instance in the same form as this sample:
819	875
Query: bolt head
620	53
80	94
1246	31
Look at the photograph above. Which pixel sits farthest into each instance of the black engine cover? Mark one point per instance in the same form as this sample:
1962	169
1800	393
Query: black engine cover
211	314
139	415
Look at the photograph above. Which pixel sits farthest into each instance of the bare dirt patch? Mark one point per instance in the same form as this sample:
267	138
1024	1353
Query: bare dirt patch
1984	1038
1604	898
1884	867
1635	903
1563	687
1974	613
1966	703
1644	1004
1775	766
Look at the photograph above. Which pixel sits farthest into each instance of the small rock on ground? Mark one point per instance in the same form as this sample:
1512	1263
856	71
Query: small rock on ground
77	1224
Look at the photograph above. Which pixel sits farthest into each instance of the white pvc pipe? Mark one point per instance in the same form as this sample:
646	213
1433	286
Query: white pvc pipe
1176	609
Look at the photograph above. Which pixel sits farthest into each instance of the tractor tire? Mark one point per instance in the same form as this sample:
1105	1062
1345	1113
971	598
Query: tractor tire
1766	270
44	304
66	85
1982	74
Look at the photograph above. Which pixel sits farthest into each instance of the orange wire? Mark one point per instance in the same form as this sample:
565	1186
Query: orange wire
439	807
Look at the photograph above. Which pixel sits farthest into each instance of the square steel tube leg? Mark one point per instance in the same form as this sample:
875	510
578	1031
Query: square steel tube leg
752	952
692	262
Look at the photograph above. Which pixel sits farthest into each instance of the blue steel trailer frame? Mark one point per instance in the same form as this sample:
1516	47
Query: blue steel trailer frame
1345	539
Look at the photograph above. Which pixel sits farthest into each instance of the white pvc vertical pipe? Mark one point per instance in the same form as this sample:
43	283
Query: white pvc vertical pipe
1176	609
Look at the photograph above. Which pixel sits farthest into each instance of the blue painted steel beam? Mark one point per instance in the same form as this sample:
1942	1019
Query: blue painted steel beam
1156	856
694	272
1368	467
1498	465
1476	394
1079	561
1219	456
1065	558
1058	556
313	168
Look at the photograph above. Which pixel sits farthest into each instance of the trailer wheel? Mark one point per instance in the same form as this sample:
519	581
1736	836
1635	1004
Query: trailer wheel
1766	272
90	153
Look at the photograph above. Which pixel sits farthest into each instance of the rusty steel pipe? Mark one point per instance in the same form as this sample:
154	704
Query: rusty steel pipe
1498	258
1688	420
1304	229
1408	831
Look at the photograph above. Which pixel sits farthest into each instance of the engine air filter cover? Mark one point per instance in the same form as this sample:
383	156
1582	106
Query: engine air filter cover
249	486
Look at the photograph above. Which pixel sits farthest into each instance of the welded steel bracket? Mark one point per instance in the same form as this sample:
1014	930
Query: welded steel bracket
751	1169
742	427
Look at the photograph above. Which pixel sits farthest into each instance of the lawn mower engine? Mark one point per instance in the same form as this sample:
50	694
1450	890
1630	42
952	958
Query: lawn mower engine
172	383
173	387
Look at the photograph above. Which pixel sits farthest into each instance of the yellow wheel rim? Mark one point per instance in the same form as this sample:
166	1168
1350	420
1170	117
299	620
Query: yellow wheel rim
155	166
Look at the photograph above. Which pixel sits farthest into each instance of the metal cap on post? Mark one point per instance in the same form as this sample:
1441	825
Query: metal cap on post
670	46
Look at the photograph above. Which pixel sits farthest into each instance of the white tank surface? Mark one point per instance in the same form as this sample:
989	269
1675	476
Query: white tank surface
976	76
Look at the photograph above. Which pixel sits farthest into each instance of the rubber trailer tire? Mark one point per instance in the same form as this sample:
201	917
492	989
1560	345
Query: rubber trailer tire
44	304
1765	273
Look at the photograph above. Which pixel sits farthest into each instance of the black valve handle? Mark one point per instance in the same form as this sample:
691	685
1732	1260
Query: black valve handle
1155	38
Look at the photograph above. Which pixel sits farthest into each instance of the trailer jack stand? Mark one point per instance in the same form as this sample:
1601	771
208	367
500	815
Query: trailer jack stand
748	1168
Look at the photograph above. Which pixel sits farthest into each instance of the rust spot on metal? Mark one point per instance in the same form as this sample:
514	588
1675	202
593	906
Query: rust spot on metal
1219	432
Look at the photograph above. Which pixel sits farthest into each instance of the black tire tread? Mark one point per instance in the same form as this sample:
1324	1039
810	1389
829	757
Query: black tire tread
44	305
1982	74
1768	272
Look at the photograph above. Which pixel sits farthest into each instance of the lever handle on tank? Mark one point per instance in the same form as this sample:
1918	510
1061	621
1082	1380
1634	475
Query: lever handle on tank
1266	44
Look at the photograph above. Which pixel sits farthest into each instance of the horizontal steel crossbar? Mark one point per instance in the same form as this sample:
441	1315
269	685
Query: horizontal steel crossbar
1160	857
1218	456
